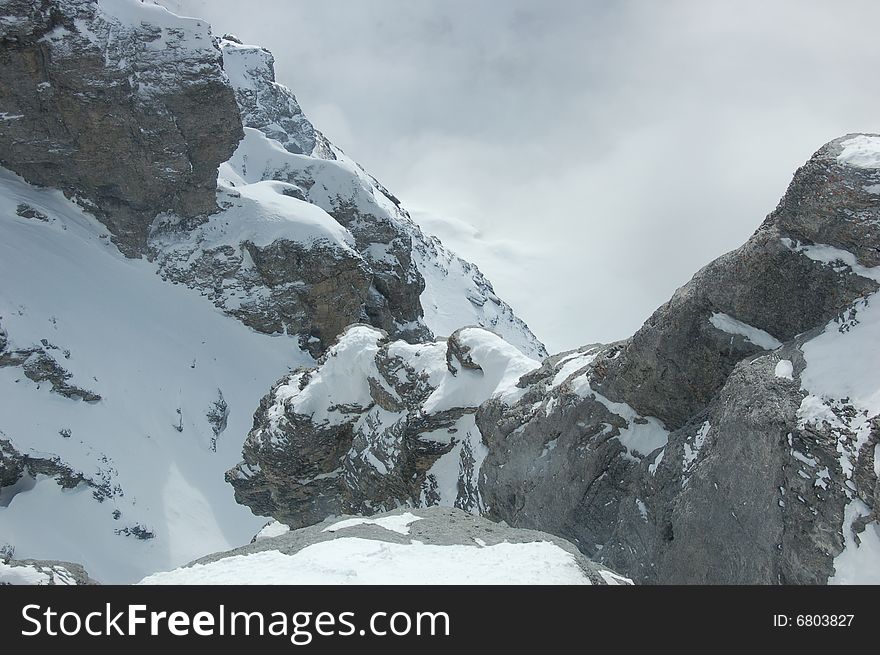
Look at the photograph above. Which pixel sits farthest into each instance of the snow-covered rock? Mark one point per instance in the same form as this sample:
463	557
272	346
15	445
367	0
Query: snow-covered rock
309	243
375	425
408	547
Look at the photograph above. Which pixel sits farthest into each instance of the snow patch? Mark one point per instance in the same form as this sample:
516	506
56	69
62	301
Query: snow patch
643	434
342	379
692	451
398	523
502	366
752	334
862	151
272	529
652	469
832	256
784	369
32	574
614	579
572	364
859	563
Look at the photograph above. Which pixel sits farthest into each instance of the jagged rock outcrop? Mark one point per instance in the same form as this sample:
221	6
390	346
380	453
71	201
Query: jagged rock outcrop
325	177
376	425
39	365
268	106
19	470
122	105
731	440
420	546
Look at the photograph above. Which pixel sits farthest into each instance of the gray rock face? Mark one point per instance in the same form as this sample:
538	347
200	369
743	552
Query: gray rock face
132	118
769	520
743	489
435	526
677	361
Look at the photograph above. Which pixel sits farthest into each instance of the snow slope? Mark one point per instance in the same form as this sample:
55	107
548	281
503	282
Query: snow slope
354	560
161	357
405	546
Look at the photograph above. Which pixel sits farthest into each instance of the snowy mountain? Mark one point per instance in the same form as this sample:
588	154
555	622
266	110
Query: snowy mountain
208	311
281	145
146	303
734	439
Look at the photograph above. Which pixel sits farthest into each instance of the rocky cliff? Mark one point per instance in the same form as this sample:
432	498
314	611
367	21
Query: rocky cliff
768	449
731	440
120	104
345	250
130	110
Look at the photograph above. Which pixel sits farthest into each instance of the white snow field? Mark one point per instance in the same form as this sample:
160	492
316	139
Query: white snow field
160	356
354	560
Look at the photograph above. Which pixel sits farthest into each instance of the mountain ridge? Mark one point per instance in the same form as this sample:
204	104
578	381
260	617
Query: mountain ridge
165	265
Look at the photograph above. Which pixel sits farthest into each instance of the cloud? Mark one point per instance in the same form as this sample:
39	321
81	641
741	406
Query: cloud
616	147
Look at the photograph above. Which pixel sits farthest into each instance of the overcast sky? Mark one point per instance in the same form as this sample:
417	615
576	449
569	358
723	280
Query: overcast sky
589	156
